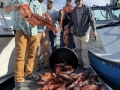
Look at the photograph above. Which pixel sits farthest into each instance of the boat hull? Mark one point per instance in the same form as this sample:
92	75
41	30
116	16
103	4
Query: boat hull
107	70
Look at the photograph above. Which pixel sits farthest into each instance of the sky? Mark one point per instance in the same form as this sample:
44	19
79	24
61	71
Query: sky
58	4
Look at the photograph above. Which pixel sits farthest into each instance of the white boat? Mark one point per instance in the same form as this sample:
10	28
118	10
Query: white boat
7	47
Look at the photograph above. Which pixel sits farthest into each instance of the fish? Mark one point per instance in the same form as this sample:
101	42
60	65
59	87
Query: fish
62	87
76	88
57	69
41	82
76	76
48	76
90	87
68	71
64	76
34	19
74	84
51	87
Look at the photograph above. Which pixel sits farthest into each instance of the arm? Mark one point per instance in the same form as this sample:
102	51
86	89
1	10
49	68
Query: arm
70	23
9	6
61	15
8	9
91	20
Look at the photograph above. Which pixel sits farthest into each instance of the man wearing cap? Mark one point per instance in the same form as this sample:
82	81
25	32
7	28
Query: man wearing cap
81	19
54	14
42	41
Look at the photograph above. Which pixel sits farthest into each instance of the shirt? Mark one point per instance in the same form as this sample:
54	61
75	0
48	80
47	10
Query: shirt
79	13
54	14
43	9
18	22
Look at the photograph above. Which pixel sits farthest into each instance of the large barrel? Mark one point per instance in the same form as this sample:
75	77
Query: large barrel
65	54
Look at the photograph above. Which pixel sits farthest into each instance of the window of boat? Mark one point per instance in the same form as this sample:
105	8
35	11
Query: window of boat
116	13
101	14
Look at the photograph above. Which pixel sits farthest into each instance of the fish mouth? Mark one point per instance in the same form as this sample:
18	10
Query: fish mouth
26	17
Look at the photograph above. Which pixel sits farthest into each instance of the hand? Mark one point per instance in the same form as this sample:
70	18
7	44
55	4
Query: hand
15	6
66	31
94	34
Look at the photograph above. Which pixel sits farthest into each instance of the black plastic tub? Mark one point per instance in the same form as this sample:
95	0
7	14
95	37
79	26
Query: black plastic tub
65	54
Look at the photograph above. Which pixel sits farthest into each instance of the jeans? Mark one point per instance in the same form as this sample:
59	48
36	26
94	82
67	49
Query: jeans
71	41
53	40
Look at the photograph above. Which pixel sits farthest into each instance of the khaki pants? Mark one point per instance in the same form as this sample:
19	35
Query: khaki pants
44	42
81	44
21	41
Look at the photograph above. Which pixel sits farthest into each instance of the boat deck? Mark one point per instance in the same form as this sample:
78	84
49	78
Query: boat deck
32	85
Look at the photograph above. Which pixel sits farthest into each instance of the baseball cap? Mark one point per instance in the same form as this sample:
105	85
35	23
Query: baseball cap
51	0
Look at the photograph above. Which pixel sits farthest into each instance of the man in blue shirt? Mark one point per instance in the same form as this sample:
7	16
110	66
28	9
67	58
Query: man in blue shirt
26	36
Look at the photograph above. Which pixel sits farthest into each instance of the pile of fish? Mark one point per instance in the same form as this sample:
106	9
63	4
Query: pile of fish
65	79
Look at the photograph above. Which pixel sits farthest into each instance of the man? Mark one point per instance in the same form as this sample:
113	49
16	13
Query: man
66	19
26	36
81	17
43	41
54	14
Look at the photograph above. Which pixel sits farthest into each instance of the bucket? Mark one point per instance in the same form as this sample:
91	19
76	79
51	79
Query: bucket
65	54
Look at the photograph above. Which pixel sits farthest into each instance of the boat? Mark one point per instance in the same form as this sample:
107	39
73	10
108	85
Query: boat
104	50
7	47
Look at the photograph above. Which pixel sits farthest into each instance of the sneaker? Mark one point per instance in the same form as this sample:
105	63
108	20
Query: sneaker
32	77
18	86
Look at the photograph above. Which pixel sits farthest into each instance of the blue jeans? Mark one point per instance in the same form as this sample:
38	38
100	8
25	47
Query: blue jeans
71	41
53	40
